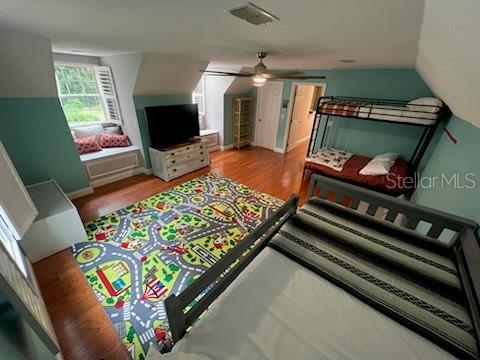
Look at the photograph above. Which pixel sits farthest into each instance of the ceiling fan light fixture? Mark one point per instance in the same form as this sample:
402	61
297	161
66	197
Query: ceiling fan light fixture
259	81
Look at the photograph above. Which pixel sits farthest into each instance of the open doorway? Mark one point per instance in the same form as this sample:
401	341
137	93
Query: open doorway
301	115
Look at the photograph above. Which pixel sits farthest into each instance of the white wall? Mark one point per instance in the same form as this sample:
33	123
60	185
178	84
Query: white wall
76	59
449	53
26	57
125	69
215	88
161	74
240	85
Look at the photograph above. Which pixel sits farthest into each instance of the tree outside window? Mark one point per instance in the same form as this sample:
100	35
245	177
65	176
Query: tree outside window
79	94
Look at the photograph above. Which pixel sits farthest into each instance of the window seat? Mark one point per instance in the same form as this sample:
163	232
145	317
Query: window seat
208	132
112	164
107	152
212	137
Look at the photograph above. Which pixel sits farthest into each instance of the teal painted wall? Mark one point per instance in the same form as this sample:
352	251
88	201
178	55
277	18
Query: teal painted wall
142	101
449	159
228	119
367	137
36	135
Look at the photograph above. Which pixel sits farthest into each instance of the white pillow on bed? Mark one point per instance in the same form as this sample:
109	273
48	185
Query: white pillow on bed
379	165
425	104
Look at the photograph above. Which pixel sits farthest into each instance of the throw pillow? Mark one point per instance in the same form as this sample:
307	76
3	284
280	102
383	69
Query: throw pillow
110	140
87	144
114	130
91	130
379	165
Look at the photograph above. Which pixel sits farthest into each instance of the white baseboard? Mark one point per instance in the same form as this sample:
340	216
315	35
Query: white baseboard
226	147
279	150
118	176
80	192
147	171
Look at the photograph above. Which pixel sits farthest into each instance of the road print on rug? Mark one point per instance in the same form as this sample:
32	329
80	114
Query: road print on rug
135	257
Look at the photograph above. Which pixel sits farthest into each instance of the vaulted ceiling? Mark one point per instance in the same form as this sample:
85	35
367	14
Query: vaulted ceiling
441	38
310	33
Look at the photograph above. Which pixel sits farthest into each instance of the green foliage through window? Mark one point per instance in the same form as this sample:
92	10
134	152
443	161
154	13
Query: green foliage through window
79	94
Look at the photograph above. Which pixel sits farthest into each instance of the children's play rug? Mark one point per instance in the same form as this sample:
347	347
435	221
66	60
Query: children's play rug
135	257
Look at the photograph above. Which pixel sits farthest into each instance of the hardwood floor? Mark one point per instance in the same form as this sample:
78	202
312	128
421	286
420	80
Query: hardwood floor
81	325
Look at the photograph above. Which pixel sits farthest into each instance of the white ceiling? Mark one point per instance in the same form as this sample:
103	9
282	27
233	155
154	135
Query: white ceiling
310	33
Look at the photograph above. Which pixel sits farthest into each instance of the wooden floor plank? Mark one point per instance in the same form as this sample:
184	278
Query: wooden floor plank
82	327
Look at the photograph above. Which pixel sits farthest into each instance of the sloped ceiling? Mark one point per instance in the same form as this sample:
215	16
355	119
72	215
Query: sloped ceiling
26	66
449	52
161	74
311	34
241	85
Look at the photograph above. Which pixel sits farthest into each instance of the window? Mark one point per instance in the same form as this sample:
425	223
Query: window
86	93
198	96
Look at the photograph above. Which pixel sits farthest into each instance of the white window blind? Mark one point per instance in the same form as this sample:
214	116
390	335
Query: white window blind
109	96
16	207
198	96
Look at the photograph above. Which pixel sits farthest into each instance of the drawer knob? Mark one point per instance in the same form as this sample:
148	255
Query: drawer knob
188	148
202	160
174	170
201	153
172	154
173	161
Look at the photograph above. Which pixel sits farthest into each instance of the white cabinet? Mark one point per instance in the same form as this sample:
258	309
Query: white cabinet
179	160
212	137
57	226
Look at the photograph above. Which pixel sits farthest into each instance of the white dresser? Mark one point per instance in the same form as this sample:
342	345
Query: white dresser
179	160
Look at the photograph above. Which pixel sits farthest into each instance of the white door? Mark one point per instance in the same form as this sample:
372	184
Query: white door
268	114
301	123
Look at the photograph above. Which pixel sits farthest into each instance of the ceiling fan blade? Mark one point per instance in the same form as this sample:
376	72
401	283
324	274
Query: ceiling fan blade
270	74
225	73
297	77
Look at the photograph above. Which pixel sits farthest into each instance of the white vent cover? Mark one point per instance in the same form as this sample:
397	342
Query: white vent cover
253	14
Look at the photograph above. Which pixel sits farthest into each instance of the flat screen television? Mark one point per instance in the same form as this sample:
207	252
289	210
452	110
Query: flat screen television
172	125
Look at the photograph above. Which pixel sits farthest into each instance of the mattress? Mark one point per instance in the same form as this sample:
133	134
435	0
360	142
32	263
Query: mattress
278	309
408	277
350	173
380	112
397	114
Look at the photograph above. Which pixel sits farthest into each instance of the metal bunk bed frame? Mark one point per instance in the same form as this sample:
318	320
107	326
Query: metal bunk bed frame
370	103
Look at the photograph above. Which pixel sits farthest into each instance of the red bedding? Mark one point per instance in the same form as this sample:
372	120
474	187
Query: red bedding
341	107
385	183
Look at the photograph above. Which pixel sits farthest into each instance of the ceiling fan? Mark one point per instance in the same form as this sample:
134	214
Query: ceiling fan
261	74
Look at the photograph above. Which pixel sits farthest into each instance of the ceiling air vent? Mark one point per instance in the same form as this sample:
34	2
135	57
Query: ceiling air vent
253	14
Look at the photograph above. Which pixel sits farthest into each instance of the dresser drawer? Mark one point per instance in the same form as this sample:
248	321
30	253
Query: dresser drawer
188	166
194	148
184	158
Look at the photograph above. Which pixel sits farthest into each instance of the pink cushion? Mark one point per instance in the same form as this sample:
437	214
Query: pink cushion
111	140
87	144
